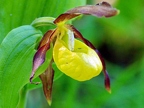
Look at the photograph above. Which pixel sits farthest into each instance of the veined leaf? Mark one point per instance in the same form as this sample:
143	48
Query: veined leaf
16	53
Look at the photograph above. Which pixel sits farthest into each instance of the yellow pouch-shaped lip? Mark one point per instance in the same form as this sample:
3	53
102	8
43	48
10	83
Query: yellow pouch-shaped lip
80	64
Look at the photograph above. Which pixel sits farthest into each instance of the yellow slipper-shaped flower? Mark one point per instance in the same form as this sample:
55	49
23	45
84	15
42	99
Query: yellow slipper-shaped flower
80	64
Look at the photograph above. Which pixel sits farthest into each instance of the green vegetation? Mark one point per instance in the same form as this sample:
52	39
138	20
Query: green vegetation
119	39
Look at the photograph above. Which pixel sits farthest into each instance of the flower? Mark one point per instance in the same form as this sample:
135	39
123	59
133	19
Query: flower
78	60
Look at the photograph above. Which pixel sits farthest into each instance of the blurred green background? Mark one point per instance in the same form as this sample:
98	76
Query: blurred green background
119	39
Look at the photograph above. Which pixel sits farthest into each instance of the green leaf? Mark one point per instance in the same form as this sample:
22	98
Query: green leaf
43	21
16	53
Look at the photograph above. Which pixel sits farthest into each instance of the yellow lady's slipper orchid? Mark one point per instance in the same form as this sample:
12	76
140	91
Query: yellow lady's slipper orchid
78	60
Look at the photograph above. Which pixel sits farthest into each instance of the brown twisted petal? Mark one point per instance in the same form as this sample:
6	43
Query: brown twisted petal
99	10
47	80
45	38
39	56
88	43
107	79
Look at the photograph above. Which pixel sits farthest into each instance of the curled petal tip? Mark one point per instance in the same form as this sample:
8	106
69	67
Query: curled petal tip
118	11
36	83
49	102
107	81
31	77
108	89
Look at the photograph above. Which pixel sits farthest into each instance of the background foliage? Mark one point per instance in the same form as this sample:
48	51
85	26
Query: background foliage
119	39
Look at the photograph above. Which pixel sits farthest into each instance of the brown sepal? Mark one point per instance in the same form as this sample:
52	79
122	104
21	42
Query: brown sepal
107	79
39	59
46	38
99	10
39	56
47	81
